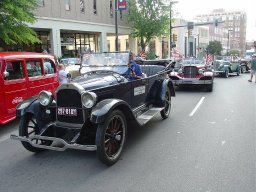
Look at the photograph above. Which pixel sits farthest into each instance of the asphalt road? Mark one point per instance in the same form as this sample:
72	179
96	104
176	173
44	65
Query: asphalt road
207	144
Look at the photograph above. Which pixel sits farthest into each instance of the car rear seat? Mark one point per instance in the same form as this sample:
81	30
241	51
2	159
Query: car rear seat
150	70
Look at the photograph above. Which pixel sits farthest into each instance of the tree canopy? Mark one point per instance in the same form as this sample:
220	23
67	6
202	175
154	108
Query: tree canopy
148	19
215	47
15	15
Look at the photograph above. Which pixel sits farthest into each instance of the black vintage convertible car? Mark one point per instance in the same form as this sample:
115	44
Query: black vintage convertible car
94	111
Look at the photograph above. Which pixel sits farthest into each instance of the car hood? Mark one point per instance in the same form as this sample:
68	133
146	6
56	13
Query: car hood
94	81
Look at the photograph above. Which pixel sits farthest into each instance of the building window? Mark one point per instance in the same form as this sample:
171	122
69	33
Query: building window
82	6
67	5
109	45
111	8
119	44
94	7
40	3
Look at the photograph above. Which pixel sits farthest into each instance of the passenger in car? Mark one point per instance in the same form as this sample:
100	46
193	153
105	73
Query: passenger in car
47	67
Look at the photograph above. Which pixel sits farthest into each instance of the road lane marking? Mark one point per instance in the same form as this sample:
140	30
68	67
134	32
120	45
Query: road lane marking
197	106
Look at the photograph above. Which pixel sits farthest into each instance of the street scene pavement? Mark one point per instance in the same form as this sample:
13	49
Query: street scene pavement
207	144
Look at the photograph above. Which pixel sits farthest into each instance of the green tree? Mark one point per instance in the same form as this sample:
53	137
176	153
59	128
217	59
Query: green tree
215	47
15	15
234	52
148	19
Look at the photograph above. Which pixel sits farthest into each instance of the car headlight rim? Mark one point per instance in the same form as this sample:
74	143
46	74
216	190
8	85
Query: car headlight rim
45	98
88	99
200	71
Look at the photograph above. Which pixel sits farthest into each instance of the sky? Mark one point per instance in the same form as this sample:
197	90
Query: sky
188	9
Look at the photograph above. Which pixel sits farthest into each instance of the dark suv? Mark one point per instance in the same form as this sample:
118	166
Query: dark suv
94	110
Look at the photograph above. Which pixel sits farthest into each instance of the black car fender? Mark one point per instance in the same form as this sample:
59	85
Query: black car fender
26	105
166	84
34	107
103	108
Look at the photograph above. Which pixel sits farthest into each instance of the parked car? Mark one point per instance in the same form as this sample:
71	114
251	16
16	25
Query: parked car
193	72
72	66
22	76
94	110
245	65
70	61
225	68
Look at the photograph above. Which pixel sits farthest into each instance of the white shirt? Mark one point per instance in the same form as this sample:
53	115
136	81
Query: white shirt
63	76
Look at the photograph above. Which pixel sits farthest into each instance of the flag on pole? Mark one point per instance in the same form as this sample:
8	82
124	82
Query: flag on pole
142	55
176	54
209	59
121	5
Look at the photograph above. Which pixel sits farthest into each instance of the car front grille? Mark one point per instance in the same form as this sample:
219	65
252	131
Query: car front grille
69	106
190	72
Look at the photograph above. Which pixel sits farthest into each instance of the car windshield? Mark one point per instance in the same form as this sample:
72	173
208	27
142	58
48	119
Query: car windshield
111	61
72	61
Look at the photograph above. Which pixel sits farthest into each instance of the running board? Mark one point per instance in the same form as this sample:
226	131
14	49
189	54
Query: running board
64	145
145	117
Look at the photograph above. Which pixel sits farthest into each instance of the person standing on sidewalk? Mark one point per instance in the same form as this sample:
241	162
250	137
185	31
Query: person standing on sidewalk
62	74
253	68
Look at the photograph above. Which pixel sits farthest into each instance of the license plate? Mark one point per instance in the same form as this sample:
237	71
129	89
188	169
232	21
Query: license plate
67	111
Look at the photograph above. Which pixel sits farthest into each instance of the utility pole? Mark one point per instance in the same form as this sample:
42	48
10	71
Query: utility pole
228	41
171	2
116	28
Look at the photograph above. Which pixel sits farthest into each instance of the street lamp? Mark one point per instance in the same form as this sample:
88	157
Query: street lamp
171	2
228	41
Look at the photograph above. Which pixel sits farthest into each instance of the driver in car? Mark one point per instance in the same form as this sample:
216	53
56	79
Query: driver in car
134	69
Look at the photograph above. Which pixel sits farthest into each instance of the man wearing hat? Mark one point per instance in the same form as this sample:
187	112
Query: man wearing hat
134	69
253	68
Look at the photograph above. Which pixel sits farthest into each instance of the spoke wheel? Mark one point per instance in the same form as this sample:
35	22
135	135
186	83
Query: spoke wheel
28	127
110	137
167	105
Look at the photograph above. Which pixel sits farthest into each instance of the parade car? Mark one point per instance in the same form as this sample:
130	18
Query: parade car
245	65
93	111
24	75
193	72
225	68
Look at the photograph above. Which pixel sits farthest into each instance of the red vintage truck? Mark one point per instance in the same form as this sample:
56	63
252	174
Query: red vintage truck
22	76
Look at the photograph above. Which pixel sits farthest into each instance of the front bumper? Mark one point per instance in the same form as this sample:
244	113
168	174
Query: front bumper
61	138
192	82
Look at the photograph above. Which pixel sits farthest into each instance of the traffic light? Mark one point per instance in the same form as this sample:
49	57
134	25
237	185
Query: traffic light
174	37
190	31
216	22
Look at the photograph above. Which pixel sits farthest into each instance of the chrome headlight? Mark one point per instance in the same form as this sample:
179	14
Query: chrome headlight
88	99
200	71
45	98
180	71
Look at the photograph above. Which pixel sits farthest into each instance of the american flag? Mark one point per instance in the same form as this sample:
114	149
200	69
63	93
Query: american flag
176	54
209	58
86	56
142	55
